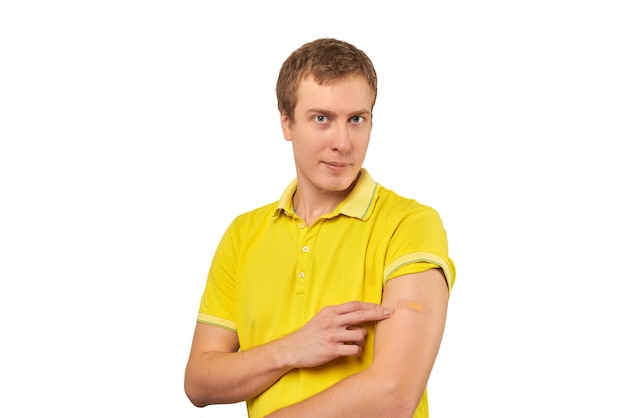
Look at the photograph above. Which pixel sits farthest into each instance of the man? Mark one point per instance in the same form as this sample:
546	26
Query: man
332	301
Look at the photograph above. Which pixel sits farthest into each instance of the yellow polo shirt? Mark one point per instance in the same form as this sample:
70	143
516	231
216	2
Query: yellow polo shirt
271	273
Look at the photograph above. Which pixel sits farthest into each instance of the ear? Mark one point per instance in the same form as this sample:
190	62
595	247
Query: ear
285	124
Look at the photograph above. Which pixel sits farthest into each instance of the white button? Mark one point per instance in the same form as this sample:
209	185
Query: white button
301	225
301	275
305	249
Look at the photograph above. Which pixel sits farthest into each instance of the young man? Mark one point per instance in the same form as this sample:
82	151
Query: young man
332	301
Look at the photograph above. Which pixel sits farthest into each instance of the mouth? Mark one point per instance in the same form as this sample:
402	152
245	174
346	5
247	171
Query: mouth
333	165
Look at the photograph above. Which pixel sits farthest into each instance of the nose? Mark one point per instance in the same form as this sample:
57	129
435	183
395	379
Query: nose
341	138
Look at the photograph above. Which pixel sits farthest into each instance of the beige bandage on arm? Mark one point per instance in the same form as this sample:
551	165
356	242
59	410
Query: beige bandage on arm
412	305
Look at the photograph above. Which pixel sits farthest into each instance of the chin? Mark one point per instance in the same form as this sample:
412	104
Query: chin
342	183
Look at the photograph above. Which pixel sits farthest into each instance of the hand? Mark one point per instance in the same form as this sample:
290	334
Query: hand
332	333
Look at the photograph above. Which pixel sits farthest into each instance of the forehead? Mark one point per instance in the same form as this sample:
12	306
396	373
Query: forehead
351	92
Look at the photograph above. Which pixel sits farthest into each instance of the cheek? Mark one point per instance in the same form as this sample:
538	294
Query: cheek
303	150
363	143
307	142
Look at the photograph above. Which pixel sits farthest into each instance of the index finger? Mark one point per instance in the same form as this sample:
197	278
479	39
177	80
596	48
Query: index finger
358	305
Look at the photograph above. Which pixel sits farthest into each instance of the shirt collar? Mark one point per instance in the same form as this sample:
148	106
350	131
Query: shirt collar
357	204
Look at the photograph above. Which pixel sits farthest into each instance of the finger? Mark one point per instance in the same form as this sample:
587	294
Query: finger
357	305
364	315
354	336
349	350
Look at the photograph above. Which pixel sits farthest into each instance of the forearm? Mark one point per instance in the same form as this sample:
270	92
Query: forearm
363	394
228	377
218	373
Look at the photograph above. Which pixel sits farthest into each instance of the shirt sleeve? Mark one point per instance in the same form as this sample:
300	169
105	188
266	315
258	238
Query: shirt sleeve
217	306
419	243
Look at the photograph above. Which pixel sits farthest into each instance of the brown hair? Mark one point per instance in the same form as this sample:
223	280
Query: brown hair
326	59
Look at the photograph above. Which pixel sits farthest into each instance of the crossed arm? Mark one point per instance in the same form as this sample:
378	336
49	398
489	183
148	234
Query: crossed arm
405	347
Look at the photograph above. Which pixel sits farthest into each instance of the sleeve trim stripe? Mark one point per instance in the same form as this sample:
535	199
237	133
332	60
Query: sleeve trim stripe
217	321
421	257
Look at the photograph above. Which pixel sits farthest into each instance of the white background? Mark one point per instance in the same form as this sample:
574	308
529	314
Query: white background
132	132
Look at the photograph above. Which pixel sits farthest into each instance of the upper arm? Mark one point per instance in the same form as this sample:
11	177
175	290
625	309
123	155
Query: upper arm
406	344
207	338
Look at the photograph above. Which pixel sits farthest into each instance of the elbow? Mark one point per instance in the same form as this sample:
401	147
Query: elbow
195	396
197	404
195	401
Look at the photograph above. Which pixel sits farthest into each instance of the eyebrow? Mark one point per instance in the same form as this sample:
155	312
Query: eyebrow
330	113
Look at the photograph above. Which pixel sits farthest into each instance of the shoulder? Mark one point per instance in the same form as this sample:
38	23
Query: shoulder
257	214
393	205
255	218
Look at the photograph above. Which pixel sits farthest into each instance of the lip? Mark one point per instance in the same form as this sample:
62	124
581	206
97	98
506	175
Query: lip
335	165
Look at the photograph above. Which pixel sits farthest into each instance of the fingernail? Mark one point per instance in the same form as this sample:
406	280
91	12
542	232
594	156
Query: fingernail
387	311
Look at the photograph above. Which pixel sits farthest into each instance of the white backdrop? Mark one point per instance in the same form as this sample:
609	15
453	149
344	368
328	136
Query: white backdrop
132	132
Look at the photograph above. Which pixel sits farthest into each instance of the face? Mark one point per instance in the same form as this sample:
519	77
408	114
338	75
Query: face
330	132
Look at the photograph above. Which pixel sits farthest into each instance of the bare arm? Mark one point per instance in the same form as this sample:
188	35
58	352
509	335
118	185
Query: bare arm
218	373
405	349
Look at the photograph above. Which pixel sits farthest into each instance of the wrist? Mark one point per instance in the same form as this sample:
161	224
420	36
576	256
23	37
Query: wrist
281	357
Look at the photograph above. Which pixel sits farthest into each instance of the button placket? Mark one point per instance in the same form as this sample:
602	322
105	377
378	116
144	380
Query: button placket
303	259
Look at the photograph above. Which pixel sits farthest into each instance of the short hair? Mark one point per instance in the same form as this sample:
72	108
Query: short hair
326	59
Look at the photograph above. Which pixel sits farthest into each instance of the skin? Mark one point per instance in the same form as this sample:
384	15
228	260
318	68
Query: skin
330	133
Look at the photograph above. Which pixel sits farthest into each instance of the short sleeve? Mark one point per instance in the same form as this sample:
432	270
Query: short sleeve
419	243
217	306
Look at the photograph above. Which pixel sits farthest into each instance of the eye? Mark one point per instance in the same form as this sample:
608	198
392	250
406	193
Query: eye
356	119
321	119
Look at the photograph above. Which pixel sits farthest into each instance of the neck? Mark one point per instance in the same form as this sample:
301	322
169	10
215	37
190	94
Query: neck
313	204
311	209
